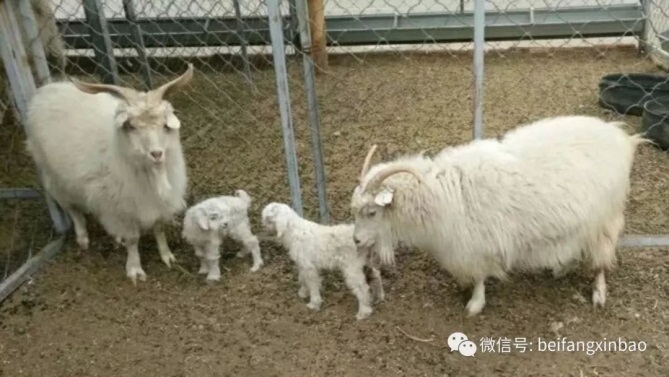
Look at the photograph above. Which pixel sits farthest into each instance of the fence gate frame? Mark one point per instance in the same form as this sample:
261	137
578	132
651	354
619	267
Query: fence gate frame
22	88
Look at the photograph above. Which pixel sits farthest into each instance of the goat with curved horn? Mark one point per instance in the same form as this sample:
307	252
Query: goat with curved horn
549	193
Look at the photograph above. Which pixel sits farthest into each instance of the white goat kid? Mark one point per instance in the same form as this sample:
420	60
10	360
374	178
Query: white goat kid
209	222
315	247
115	153
547	194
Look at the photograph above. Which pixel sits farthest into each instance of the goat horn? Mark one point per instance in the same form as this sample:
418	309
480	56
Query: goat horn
392	170
119	92
365	165
178	83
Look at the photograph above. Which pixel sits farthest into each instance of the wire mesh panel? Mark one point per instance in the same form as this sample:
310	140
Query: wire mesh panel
385	82
399	74
230	131
25	225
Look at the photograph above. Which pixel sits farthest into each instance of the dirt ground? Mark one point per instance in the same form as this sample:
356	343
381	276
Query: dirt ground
82	316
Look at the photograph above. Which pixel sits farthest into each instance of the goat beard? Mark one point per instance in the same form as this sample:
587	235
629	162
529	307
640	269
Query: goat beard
385	249
160	181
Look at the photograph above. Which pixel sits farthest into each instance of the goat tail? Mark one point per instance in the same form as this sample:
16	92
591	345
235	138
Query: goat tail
640	138
635	139
241	194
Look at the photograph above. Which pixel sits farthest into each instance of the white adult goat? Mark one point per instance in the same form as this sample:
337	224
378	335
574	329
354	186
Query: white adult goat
208	222
113	152
314	247
546	194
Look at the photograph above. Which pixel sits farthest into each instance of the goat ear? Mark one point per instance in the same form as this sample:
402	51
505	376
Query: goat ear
172	122
384	198
203	220
120	119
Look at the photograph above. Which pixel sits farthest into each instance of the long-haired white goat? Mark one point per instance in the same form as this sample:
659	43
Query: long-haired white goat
314	247
115	153
546	194
210	221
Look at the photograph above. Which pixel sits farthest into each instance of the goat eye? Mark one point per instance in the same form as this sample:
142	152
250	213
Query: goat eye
371	212
167	128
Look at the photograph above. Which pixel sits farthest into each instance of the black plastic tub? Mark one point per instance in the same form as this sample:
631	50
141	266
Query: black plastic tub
655	121
626	93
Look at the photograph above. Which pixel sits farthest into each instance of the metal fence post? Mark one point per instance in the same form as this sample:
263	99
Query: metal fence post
314	121
242	43
479	46
293	33
279	55
36	49
129	9
15	60
102	46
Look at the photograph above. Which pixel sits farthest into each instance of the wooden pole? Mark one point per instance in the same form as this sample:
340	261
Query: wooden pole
319	53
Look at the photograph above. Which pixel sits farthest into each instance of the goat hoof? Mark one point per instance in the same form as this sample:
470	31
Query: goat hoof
135	273
363	313
168	258
314	306
213	279
474	308
303	293
598	298
240	254
83	243
203	270
256	267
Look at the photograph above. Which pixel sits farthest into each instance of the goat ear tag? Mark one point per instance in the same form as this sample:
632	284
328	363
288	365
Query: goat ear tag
383	198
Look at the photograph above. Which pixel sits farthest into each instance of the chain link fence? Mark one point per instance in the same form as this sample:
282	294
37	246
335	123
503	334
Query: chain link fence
397	73
400	74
